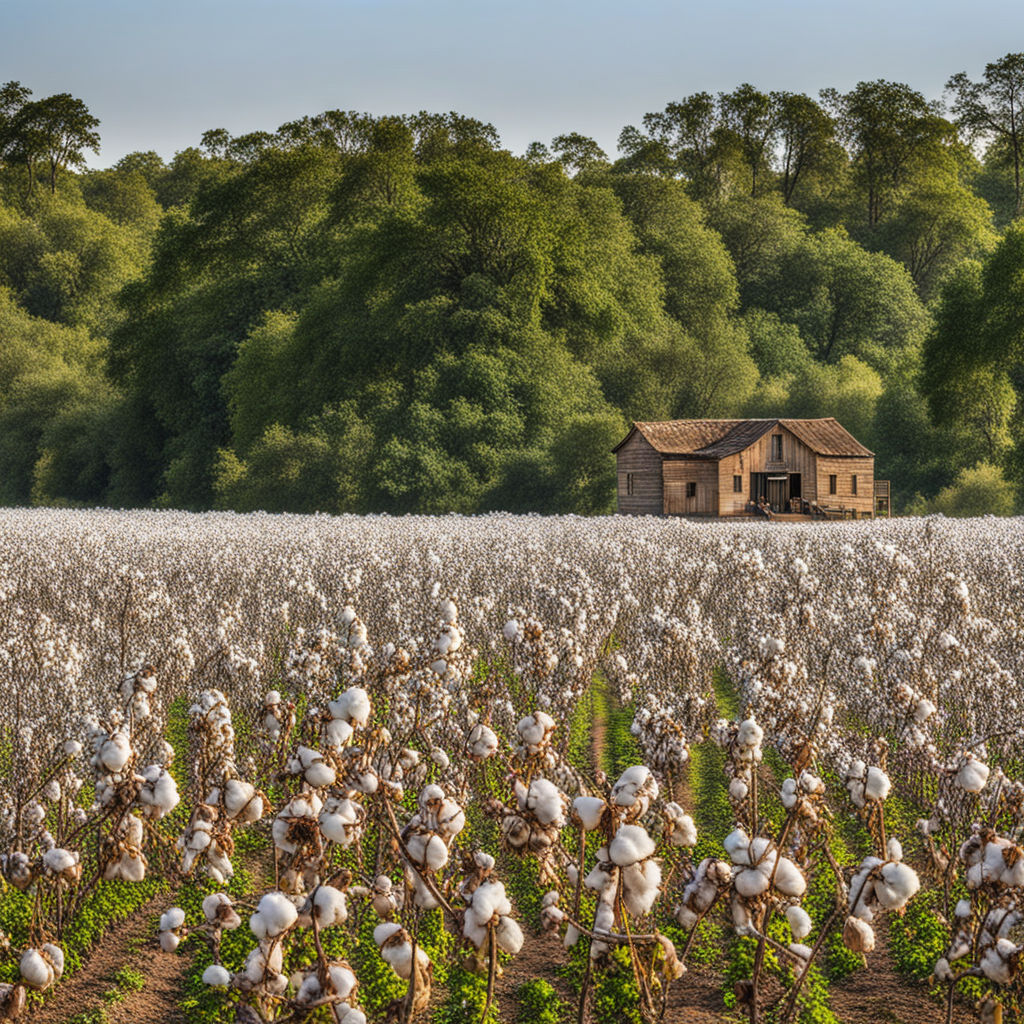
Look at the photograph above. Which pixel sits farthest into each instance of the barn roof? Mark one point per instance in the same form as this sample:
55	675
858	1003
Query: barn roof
715	439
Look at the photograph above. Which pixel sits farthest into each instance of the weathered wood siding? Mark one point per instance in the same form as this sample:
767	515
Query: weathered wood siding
677	473
796	458
845	468
636	456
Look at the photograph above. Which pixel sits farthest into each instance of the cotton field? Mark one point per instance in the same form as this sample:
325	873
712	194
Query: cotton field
385	768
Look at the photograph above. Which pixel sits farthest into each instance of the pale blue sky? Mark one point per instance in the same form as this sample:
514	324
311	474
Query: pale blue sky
159	73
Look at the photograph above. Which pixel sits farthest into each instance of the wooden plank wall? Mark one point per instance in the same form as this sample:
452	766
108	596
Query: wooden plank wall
637	456
677	473
796	458
844	468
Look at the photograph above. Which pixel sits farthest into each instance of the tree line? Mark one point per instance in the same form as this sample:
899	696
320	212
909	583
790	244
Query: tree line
360	313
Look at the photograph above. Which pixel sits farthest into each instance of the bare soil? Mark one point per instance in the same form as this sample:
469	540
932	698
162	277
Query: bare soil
132	943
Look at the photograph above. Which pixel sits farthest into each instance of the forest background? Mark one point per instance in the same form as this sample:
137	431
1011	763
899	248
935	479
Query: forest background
356	313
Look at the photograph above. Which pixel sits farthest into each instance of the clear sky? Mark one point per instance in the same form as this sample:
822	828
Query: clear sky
159	73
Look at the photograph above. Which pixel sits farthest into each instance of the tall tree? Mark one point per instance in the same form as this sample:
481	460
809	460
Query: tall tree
58	130
807	139
752	118
889	130
993	109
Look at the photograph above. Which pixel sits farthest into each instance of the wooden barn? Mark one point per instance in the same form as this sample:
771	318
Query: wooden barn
718	467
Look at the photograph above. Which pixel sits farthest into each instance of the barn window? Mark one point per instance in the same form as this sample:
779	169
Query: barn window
832	484
853	484
776	447
737	485
629	483
691	489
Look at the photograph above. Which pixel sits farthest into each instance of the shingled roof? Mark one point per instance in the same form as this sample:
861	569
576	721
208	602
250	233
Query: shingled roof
715	439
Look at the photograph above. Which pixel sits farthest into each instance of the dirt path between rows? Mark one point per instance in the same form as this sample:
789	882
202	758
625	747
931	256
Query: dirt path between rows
132	943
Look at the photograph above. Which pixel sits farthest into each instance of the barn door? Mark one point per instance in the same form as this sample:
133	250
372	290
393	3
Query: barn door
777	496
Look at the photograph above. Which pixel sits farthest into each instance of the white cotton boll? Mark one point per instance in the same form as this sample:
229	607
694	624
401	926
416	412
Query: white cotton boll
877	784
788	794
58	860
510	630
276	914
342	979
330	906
449	611
435	855
216	976
589	810
440	758
898	883
545	800
169	942
799	922
344	1014
385	931
750	734
751	883
115	752
631	844
337	733
973	775
684	831
319	774
963	908
72	748
572	936
481	742
995	963
894	849
942	970
308	990
509	935
172	919
36	972
789	880
737	846
439	667
738	790
800	950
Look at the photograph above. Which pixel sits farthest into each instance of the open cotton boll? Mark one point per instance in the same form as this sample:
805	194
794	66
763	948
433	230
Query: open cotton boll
330	907
546	801
275	914
898	883
115	752
972	775
751	883
509	935
738	790
352	706
589	810
38	967
242	802
172	919
635	783
749	734
631	844
789	879
342	980
877	784
218	910
216	976
802	951
169	941
319	774
997	963
683	831
481	742
800	923
60	861
788	794
640	886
